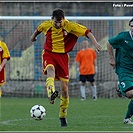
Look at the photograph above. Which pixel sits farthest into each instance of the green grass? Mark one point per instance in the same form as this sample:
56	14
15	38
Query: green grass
89	115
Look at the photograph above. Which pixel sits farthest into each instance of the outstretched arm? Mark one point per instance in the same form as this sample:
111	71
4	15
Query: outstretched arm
33	36
94	41
111	55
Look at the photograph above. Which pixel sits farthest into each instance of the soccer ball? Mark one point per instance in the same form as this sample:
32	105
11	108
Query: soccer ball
37	112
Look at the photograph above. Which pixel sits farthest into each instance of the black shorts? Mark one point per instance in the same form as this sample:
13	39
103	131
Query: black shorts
85	78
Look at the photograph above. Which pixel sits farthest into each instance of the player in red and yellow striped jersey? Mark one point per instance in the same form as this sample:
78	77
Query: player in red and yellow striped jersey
4	57
61	36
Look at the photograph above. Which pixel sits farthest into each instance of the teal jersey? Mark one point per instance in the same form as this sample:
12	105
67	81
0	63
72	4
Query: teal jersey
123	43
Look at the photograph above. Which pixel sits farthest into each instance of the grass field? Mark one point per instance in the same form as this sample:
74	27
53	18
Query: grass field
89	115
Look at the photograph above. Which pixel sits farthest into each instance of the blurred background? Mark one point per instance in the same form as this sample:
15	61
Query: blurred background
24	70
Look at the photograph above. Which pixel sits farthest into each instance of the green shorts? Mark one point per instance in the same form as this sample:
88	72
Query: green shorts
124	85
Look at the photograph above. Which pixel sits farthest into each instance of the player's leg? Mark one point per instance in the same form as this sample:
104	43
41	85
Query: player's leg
82	79
118	89
62	73
52	94
94	90
129	113
64	102
129	94
91	79
126	88
0	92
49	70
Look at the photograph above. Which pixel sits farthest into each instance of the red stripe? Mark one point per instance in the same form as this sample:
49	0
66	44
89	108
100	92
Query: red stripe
87	31
70	40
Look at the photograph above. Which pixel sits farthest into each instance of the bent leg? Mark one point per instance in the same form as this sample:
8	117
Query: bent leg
50	80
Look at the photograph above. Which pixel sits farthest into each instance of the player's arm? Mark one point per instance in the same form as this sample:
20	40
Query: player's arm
95	65
3	64
94	41
77	65
111	55
33	36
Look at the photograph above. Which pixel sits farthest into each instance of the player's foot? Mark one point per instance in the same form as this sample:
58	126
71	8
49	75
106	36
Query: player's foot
95	98
63	122
128	121
53	96
83	98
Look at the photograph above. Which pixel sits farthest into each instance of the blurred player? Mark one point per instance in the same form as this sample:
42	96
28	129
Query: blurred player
61	36
123	65
86	59
4	57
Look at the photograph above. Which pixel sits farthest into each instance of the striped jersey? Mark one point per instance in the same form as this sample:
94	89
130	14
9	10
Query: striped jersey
4	54
61	40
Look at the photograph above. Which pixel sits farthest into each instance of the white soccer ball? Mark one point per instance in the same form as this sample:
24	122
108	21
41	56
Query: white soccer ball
38	112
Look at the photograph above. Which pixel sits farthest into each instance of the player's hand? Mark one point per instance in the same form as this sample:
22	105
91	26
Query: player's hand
96	69
112	63
77	69
98	47
33	39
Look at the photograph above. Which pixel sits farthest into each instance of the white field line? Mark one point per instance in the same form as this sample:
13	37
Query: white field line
9	122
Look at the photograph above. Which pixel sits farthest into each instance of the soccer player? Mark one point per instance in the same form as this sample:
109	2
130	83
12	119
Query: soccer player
61	36
86	61
4	57
122	62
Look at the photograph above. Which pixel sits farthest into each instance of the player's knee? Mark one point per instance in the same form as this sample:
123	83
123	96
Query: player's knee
51	71
129	94
64	89
92	83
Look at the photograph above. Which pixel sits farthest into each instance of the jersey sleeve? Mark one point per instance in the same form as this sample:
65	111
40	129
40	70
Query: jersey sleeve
6	53
116	40
44	26
78	29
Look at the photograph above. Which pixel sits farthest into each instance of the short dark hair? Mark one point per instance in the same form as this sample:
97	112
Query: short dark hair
58	14
130	21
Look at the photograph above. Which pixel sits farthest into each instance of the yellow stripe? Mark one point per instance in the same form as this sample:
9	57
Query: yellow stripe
57	40
63	79
48	66
2	83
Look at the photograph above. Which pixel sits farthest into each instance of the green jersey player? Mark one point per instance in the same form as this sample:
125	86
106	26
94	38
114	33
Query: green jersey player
123	65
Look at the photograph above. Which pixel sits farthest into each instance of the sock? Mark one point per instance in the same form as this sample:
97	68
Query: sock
64	102
94	91
50	85
82	90
0	92
130	110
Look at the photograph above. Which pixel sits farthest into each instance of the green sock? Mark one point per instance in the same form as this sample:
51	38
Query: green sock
130	110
